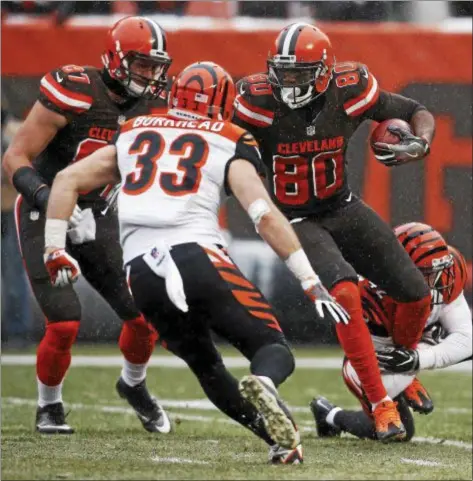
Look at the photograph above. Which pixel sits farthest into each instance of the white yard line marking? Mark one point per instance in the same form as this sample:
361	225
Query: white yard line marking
424	462
117	410
206	405
306	426
175	362
444	442
158	459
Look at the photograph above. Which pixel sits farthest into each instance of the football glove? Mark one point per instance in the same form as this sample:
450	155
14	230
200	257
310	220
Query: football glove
398	359
62	268
82	228
325	304
409	148
76	217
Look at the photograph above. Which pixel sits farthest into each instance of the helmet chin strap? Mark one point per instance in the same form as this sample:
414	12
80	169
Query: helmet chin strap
290	94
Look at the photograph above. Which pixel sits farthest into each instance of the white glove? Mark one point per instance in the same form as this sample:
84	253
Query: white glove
160	261
62	268
325	303
76	217
83	227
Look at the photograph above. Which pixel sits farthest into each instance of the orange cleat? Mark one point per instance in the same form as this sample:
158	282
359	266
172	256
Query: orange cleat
388	423
418	398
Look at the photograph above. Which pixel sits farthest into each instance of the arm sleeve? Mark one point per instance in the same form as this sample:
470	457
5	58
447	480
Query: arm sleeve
393	106
66	94
457	346
246	149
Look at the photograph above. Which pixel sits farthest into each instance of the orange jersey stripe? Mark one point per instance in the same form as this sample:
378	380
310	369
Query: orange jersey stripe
274	324
235	279
250	299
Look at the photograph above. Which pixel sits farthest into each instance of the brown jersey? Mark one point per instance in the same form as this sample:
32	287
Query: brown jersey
80	95
305	149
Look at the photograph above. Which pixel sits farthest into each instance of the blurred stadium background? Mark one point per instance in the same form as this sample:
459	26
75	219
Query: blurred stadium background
420	49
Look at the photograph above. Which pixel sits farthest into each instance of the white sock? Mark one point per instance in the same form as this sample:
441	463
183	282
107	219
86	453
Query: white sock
268	381
374	405
49	394
133	374
330	419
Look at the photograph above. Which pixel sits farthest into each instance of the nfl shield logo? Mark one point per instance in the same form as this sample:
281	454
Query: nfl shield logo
121	120
310	130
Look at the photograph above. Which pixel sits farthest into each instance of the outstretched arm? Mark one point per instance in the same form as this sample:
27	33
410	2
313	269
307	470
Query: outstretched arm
96	170
278	233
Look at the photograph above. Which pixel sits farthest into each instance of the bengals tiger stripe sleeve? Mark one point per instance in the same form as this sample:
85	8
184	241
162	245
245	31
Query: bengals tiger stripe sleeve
66	94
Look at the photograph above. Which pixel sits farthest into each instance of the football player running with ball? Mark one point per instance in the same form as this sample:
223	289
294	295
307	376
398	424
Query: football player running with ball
173	169
446	340
303	112
77	113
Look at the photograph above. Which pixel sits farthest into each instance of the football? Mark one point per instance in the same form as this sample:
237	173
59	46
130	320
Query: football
382	134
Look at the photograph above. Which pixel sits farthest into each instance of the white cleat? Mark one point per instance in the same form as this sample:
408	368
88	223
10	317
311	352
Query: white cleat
279	455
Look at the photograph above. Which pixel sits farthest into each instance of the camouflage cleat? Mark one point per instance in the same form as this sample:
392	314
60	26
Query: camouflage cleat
279	455
276	416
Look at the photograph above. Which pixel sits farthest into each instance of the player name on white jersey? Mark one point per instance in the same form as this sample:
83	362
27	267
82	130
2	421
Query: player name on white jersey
152	121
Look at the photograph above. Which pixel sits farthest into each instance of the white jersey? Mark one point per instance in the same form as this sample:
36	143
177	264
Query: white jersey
173	172
447	336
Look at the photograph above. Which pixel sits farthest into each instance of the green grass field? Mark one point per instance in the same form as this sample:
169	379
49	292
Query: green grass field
110	443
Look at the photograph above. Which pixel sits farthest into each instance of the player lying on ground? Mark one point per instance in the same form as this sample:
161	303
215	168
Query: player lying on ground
173	169
76	114
446	340
303	112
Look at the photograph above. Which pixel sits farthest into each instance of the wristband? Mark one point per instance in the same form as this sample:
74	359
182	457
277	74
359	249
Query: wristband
299	265
55	233
30	185
41	198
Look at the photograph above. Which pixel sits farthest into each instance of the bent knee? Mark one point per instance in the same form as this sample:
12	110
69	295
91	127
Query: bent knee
412	288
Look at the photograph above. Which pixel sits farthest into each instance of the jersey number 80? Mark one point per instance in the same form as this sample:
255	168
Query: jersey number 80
291	177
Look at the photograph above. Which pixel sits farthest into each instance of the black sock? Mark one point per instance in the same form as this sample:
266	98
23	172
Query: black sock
357	423
222	389
361	425
274	361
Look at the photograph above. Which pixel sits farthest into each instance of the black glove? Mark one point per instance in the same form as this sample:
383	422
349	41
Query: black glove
398	359
409	148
